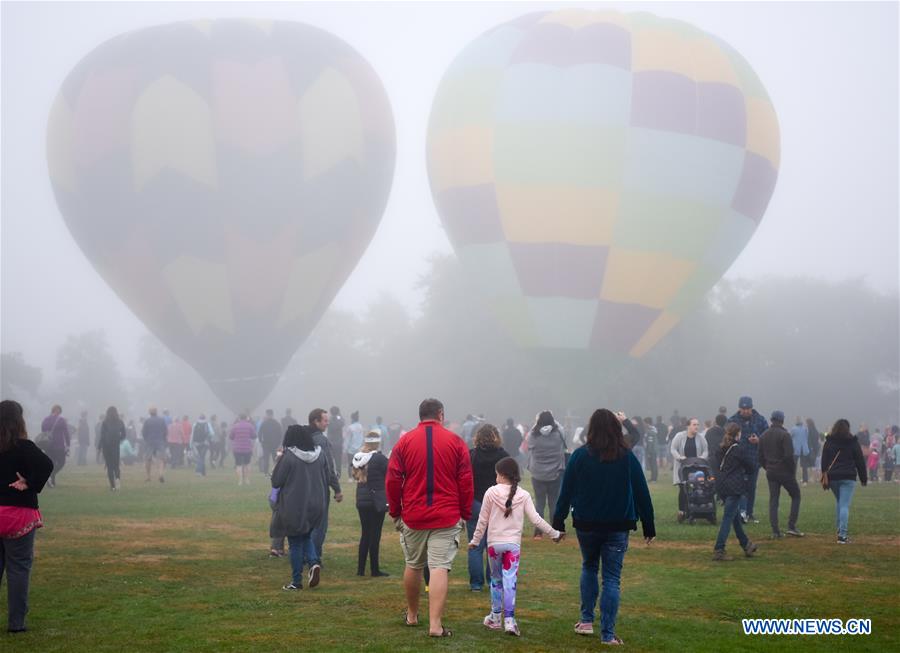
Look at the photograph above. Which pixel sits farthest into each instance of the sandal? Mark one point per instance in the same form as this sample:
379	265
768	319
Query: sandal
445	632
408	622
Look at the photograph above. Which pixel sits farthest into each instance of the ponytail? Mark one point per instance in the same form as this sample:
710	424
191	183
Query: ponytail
509	499
509	468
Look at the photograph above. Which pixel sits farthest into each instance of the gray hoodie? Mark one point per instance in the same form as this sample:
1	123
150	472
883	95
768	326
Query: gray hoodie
546	454
302	480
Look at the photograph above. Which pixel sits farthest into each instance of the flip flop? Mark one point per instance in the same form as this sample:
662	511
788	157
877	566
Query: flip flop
445	632
409	623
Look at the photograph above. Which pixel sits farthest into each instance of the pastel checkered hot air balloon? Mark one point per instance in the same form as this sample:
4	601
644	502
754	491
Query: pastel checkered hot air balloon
598	172
224	177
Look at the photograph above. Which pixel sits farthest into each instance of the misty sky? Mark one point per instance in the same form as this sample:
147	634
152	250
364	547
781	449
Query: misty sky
831	71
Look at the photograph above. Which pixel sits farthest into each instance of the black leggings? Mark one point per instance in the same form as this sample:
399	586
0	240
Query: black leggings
112	465
371	521
58	456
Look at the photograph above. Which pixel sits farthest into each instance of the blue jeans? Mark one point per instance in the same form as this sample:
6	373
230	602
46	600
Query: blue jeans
16	558
318	534
843	495
749	499
302	550
608	549
201	459
731	516
477	568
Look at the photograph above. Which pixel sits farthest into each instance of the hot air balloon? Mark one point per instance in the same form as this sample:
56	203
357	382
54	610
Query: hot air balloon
224	177
598	172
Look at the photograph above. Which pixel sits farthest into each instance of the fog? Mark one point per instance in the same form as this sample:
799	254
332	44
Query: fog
806	319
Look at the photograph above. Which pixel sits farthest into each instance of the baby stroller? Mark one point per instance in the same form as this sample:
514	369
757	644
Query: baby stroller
699	486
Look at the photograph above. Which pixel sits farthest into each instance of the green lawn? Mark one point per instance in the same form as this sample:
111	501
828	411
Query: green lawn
184	567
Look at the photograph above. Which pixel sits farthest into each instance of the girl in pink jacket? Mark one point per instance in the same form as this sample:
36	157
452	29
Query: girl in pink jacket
503	511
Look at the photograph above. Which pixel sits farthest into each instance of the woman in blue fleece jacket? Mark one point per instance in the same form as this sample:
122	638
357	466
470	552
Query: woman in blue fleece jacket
605	487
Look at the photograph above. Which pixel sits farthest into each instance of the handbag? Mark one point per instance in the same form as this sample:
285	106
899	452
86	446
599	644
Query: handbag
566	454
43	438
825	473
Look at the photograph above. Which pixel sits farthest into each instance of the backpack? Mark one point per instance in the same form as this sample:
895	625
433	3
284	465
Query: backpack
201	433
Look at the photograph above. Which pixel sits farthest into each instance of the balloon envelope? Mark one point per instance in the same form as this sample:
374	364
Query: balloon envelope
598	172
224	177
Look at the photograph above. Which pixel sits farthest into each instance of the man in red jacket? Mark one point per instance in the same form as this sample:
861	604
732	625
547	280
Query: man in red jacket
429	489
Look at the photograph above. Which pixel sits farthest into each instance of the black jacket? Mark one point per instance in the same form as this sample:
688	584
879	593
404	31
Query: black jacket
371	494
335	434
483	472
33	464
776	453
270	433
512	439
111	435
850	461
732	470
714	435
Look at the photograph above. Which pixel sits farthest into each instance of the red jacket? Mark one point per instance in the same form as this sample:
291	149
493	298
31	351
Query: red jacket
429	481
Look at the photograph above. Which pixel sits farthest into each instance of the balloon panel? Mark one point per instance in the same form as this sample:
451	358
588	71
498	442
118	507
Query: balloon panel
224	177
598	172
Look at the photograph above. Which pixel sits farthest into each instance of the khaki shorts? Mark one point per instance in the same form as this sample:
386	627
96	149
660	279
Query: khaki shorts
436	546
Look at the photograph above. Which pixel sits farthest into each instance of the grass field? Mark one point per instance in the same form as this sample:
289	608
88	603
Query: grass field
184	567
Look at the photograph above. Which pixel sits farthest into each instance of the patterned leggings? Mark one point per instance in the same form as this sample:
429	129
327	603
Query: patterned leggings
504	563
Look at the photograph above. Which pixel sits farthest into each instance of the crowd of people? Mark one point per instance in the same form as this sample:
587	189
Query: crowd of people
441	477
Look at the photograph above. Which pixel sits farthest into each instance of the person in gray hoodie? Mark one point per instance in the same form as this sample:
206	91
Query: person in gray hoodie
546	462
301	478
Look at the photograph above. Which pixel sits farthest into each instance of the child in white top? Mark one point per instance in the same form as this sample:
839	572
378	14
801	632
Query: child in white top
503	511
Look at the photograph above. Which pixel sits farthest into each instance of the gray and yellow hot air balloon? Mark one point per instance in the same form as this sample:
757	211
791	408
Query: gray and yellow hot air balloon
598	172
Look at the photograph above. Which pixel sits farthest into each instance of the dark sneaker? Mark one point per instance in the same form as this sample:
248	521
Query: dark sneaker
843	540
719	556
290	587
750	549
314	573
793	532
777	536
752	519
275	553
380	574
744	517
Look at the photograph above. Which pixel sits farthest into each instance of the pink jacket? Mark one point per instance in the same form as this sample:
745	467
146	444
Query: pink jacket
242	435
173	435
507	530
873	460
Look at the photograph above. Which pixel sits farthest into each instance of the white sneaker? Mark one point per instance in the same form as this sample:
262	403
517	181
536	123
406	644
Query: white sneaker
314	575
493	621
510	626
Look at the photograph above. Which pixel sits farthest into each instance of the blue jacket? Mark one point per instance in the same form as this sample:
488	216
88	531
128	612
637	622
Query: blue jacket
756	425
604	496
800	438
